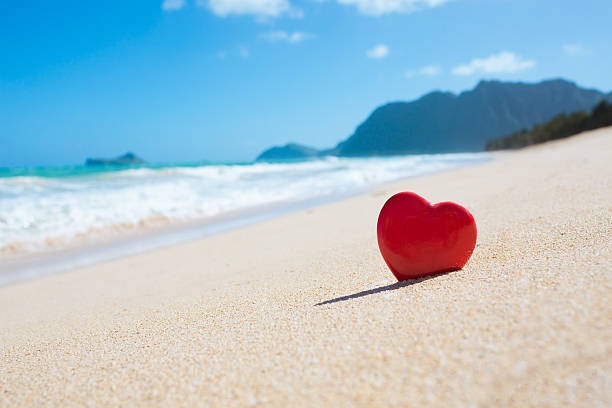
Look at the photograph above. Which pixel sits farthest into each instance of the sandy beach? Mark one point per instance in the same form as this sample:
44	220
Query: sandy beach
302	311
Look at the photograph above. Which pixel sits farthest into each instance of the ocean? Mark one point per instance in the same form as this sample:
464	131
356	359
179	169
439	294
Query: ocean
48	209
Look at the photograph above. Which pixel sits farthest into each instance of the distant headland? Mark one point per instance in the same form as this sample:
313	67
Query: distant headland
444	122
126	159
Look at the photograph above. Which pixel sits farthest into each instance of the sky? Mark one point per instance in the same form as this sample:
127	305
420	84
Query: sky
222	80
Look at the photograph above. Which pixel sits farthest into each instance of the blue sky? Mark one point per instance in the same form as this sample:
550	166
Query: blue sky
190	80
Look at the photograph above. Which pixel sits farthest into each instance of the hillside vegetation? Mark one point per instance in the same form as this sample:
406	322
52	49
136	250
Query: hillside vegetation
557	128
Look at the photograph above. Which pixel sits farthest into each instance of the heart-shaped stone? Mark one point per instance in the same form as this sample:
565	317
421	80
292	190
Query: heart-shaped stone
418	239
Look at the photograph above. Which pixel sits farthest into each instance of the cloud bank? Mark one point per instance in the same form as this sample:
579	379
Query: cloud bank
265	9
504	62
380	7
258	8
378	51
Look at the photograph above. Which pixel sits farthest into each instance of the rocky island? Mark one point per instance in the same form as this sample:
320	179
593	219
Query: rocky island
128	159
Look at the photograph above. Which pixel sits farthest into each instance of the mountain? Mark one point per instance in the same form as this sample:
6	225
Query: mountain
124	160
444	122
291	151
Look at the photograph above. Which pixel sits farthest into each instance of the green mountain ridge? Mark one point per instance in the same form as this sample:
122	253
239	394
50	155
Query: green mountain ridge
444	122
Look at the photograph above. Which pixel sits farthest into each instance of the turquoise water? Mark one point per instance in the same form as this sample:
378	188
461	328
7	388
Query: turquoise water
81	170
50	208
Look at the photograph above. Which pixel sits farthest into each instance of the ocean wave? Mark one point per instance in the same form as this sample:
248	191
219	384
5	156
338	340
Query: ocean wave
38	213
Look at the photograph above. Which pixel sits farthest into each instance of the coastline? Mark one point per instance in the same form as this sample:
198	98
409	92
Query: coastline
126	239
301	309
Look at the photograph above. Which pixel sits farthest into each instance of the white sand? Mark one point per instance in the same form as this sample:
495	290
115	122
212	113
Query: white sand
234	320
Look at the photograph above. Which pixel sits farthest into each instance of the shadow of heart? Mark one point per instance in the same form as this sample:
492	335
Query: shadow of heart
394	286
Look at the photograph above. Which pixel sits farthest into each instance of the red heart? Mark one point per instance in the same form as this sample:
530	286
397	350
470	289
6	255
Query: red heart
417	239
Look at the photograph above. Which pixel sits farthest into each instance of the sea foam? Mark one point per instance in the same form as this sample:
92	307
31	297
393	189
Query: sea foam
50	209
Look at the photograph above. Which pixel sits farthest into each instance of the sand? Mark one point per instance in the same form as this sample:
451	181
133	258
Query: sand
302	311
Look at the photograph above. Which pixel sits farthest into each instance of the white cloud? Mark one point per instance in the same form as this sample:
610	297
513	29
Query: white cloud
283	36
380	7
502	63
171	5
575	50
378	51
428	70
258	8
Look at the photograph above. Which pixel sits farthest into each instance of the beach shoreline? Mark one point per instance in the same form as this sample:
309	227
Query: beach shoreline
131	239
301	309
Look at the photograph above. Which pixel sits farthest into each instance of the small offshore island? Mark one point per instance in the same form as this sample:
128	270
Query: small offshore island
127	159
